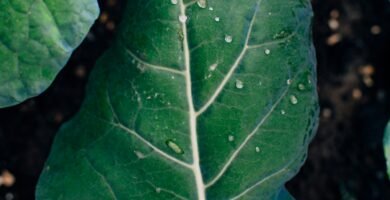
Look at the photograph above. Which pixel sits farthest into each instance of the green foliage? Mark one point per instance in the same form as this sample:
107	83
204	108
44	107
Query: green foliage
37	38
386	145
193	103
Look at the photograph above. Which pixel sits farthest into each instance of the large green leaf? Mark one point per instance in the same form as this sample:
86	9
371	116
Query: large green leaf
193	103
386	146
37	38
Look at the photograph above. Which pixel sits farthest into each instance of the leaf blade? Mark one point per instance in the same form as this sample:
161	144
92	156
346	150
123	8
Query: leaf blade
251	138
36	40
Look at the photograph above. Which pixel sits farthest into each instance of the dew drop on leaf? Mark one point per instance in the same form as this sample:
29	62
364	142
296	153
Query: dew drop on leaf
293	99
309	79
283	112
141	67
174	147
183	18
231	138
228	38
174	2
239	84
213	67
202	3
257	149
289	81
217	19
139	154
267	52
301	87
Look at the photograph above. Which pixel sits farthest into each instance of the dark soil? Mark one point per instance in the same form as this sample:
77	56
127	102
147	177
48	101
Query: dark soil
345	159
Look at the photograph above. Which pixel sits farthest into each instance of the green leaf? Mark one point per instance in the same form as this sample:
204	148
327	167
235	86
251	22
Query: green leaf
37	38
193	103
386	146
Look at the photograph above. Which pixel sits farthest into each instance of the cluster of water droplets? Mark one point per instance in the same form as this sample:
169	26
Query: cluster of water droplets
301	87
202	4
293	99
211	69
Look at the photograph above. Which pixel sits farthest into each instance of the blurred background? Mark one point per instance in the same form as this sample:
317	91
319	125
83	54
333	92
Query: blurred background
345	159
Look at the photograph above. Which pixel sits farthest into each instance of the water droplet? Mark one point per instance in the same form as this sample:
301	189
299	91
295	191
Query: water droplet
202	3
308	79
228	38
301	87
257	149
183	18
293	99
158	190
282	34
141	67
217	19
213	67
270	13
289	81
231	138
174	147
139	154
239	84
174	2
172	77
267	51
283	112
211	8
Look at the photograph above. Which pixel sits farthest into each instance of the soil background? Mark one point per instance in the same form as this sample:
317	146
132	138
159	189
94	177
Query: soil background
345	159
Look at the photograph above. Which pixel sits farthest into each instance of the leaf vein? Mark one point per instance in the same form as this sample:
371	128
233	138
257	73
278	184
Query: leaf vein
102	177
156	67
280	171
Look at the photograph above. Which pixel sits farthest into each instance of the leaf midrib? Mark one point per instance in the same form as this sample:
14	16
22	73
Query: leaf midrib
200	186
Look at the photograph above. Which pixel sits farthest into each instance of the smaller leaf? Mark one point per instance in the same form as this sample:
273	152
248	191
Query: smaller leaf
37	38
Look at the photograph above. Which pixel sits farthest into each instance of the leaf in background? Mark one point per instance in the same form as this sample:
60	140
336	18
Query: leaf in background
192	103
386	145
37	38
